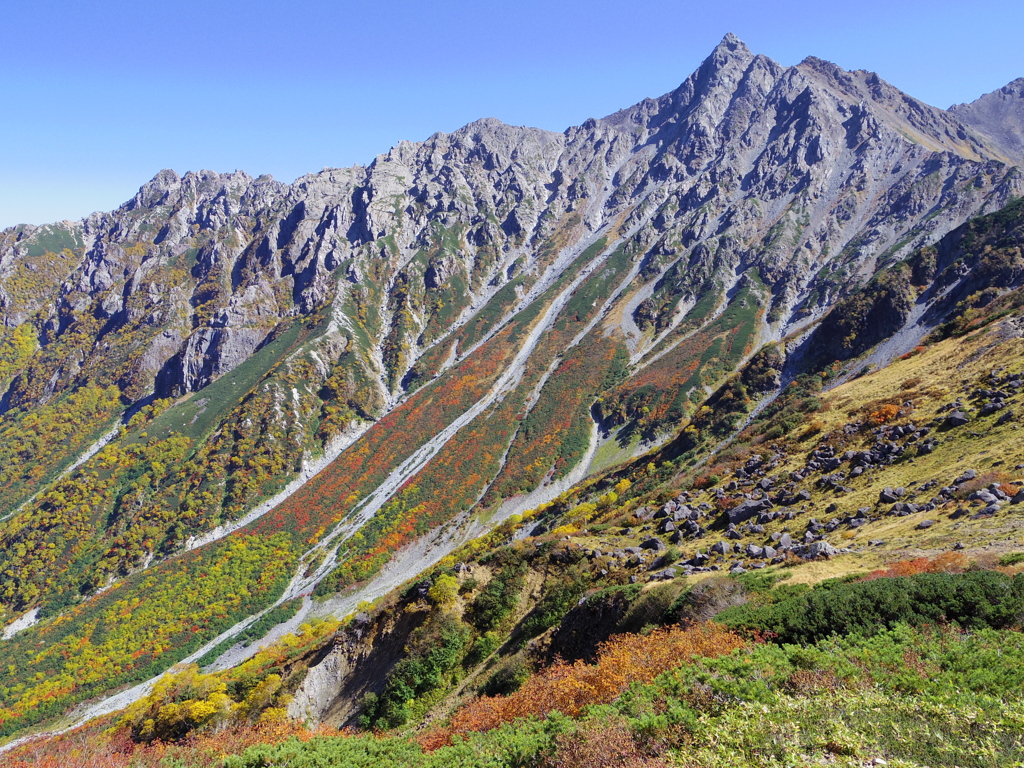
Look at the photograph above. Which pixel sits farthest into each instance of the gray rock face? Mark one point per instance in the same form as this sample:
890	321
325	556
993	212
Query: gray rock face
999	117
656	545
746	165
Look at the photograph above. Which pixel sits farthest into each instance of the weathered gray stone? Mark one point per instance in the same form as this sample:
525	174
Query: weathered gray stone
956	419
746	510
819	549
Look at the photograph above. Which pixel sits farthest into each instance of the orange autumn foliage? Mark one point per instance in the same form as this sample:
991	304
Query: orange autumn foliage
947	562
91	747
884	414
568	688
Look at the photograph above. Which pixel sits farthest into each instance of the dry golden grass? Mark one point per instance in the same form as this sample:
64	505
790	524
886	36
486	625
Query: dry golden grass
936	375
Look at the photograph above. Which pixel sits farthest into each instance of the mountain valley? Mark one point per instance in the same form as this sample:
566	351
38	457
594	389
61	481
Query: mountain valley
495	426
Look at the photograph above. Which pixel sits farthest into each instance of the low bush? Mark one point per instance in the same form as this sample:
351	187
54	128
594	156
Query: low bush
433	653
974	599
498	599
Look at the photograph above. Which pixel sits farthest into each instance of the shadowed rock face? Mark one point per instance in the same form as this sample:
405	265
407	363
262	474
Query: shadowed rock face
999	117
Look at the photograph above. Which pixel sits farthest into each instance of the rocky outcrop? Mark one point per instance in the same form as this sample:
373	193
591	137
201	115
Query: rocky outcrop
357	663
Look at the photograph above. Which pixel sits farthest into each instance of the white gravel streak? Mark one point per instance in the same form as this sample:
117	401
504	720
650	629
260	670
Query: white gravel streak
409	561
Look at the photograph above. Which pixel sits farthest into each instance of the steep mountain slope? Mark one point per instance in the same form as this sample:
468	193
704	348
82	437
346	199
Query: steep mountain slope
998	116
264	389
919	512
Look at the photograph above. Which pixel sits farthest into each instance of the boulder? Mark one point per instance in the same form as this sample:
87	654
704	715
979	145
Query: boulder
747	509
969	474
956	419
819	549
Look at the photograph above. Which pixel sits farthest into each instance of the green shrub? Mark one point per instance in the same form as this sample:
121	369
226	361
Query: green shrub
433	653
558	599
483	647
499	598
972	600
508	677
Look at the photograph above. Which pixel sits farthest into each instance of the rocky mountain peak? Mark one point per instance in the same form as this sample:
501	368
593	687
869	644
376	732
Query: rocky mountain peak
731	45
999	116
156	189
703	98
928	126
721	71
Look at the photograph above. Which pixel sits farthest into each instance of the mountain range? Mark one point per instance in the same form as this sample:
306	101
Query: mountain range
235	405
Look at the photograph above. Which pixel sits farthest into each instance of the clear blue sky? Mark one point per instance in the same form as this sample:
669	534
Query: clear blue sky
99	95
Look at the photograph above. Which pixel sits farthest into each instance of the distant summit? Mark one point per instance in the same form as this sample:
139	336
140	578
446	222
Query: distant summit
999	116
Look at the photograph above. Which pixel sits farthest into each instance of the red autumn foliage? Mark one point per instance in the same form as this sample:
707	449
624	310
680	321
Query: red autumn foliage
568	688
947	562
883	415
97	749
